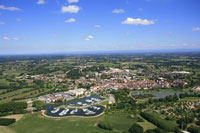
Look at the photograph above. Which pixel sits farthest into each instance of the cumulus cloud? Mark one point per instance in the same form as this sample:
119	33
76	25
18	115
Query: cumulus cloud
196	29
73	1
70	9
89	38
71	20
138	21
41	2
2	23
118	11
6	38
9	8
16	38
97	26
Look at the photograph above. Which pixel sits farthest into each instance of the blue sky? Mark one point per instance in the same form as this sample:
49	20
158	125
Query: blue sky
50	26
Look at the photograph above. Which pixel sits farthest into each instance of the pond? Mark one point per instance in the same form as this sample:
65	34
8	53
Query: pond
57	112
158	94
93	99
79	107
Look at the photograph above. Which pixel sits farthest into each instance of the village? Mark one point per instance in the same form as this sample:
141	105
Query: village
106	80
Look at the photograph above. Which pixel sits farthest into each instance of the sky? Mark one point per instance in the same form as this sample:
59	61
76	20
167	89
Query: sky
53	26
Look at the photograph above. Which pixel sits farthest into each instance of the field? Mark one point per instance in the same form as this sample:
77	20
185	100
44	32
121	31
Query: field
119	121
147	125
4	129
20	94
36	123
190	98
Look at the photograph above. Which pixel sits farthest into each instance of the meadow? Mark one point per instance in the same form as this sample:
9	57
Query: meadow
37	123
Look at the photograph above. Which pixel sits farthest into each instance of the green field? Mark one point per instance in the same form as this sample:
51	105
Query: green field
4	129
147	125
190	98
19	94
36	123
119	121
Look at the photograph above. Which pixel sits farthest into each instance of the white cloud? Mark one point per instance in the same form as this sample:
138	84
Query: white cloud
196	29
89	38
6	38
9	8
70	9
138	21
2	22
185	44
71	20
97	26
118	11
16	38
73	1
41	2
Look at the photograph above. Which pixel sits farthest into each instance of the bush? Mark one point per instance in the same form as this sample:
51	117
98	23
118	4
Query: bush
157	130
139	119
150	131
193	129
105	125
38	104
5	114
12	106
135	128
6	122
161	123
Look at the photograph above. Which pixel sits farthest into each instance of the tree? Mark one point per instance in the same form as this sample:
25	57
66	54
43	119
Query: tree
193	129
135	128
105	125
6	121
13	107
150	131
38	104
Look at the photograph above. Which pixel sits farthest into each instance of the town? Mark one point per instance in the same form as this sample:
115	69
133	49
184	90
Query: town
141	93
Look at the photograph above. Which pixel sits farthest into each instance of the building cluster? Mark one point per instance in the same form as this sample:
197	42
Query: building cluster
113	78
64	96
179	110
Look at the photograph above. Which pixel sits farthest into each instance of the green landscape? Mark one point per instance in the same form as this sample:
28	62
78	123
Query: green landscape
156	93
99	66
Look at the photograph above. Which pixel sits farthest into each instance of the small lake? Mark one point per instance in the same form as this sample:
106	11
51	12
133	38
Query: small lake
158	94
85	101
87	104
79	112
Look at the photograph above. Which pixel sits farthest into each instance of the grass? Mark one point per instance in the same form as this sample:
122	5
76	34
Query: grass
143	100
156	119
190	98
36	123
119	120
147	125
4	129
18	94
104	103
2	90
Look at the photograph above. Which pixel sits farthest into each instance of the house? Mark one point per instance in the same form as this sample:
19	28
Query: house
76	92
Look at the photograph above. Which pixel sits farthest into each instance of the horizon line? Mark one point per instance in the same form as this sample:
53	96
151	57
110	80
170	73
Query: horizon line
110	52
